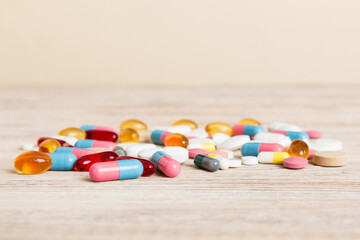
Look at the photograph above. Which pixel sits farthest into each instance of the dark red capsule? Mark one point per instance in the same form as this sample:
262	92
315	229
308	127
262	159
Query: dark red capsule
62	142
102	135
85	162
149	167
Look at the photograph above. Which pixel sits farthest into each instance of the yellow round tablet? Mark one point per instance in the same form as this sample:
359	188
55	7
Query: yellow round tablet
330	158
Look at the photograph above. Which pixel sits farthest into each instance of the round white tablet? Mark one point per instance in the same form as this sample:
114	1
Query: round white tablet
133	150
234	163
180	154
27	146
219	138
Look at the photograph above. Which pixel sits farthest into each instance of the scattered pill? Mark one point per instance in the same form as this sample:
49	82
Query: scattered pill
95	127
165	164
49	145
295	135
156	136
234	143
266	137
182	129
62	161
298	148
149	167
224	153
248	121
249	130
219	138
78	152
330	158
116	170
27	146
70	140
283	127
314	134
254	148
196	151
134	124
133	150
208	146
88	143
324	144
205	162
129	135
295	162
85	162
73	132
272	157
234	163
218	127
180	154
187	122
176	140
101	135
148	152
224	162
249	160
32	162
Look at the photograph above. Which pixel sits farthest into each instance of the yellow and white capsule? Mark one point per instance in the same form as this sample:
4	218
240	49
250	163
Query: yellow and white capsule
272	157
224	162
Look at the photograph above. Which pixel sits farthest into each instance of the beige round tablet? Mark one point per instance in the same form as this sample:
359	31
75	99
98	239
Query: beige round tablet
330	158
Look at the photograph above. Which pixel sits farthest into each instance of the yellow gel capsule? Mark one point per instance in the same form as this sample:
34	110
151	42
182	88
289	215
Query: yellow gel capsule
32	162
134	124
49	145
187	122
218	127
73	132
249	121
298	148
176	140
129	135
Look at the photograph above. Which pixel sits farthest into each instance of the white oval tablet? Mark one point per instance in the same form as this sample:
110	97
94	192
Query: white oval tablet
219	138
249	160
182	129
180	154
27	146
325	144
148	153
133	150
125	145
200	133
234	163
69	140
267	137
234	143
280	126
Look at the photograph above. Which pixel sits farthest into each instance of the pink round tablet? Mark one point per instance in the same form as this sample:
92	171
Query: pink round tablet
295	162
196	151
314	134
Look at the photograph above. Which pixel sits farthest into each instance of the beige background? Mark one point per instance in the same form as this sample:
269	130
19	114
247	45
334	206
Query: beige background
180	42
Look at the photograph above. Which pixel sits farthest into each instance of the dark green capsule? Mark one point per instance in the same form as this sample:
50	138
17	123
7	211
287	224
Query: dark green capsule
206	162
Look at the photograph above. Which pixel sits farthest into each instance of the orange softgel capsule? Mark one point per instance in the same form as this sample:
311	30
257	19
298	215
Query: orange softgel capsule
73	132
187	122
129	135
298	148
134	124
219	127
249	121
176	140
32	162
49	145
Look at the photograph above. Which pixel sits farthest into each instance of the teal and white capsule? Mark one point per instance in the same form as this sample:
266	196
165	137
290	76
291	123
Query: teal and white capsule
205	162
62	161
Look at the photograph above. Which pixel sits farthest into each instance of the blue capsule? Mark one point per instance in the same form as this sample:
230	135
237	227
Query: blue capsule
62	161
157	136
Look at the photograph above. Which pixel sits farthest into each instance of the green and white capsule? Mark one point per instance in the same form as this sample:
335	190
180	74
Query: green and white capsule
205	162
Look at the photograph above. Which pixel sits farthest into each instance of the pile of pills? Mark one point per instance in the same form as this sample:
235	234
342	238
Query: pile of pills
138	151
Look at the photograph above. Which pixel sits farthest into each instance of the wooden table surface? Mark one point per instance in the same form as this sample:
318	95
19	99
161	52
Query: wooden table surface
251	202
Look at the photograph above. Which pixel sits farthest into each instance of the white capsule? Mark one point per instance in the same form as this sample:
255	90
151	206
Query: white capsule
234	163
180	154
272	157
148	153
279	126
182	129
219	138
69	140
27	146
249	160
133	150
199	133
234	143
325	144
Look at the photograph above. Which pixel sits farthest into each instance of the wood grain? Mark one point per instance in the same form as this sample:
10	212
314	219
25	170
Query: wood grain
251	202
